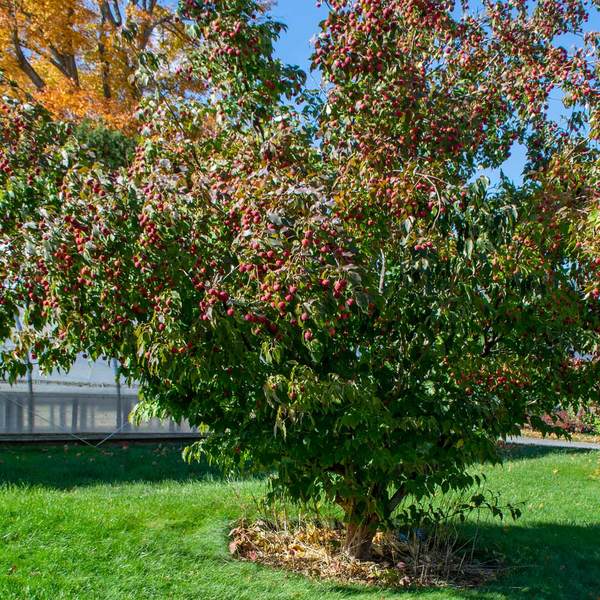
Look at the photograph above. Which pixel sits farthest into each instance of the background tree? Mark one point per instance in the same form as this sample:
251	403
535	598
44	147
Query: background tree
80	57
330	291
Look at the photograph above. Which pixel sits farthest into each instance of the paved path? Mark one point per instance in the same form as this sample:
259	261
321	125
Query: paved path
531	441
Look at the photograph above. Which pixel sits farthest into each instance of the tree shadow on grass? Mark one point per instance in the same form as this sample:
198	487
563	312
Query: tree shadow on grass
64	466
526	452
72	465
541	562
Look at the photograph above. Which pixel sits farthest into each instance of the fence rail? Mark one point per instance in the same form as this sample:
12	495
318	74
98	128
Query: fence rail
90	399
79	412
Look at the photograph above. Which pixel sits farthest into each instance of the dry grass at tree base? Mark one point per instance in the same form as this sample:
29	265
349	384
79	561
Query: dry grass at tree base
398	561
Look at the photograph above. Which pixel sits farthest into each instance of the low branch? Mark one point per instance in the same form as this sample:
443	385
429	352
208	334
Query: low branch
395	500
382	274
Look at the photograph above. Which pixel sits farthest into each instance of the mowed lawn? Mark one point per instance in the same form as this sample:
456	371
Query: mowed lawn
137	523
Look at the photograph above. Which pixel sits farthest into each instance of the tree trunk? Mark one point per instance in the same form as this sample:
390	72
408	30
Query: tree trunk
359	538
104	66
66	64
104	70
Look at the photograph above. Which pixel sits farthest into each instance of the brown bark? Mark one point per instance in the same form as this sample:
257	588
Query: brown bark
361	527
359	538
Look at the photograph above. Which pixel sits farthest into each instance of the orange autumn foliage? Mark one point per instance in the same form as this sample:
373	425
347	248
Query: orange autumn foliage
79	57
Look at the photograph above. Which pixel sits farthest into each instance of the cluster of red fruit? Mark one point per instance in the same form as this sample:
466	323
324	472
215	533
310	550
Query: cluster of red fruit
424	246
5	166
151	237
501	378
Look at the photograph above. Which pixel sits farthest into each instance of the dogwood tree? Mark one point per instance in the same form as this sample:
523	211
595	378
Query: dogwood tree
322	280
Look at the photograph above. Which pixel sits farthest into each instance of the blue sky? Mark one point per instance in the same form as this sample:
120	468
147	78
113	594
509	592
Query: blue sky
302	18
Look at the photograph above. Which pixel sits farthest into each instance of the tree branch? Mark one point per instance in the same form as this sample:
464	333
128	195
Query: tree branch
382	274
115	14
112	15
24	64
147	30
65	63
395	500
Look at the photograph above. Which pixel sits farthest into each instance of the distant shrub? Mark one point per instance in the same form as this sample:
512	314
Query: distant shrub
581	421
111	148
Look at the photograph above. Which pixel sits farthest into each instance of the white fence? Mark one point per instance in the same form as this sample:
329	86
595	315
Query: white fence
89	399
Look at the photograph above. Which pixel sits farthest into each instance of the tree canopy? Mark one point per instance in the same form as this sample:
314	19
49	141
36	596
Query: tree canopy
321	280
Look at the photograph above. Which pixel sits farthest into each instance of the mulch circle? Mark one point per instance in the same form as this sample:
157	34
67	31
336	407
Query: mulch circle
398	561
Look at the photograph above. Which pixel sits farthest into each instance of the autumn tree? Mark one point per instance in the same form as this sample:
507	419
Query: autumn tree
322	281
80	57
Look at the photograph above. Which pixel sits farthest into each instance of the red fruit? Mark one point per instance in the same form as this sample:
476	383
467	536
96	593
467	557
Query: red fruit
230	312
340	285
304	316
308	335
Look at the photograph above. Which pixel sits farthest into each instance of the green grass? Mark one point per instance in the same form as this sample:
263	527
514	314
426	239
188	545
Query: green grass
138	523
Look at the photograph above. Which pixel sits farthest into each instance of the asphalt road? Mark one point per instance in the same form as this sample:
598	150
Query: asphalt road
529	441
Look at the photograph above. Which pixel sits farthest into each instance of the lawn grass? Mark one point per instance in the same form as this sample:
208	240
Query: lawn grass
138	523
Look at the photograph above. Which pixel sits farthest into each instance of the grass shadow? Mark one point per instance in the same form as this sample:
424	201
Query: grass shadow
545	560
541	562
526	452
73	465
